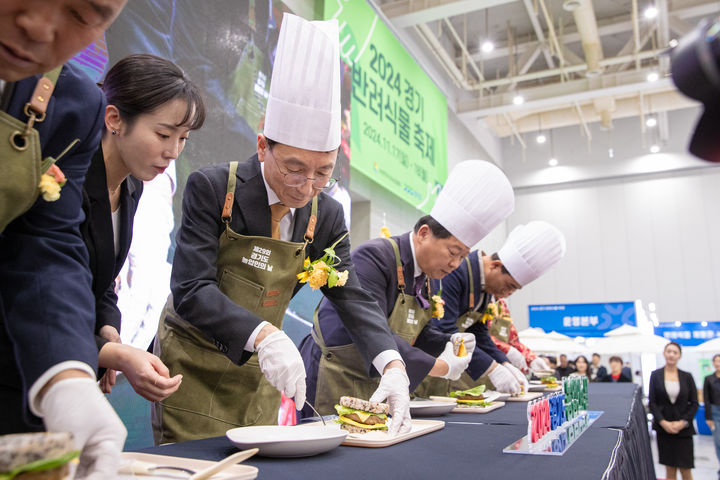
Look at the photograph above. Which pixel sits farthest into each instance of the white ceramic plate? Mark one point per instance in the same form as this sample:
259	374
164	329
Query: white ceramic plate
420	408
286	441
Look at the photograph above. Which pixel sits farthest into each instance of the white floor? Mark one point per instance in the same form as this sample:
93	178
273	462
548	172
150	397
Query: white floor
706	463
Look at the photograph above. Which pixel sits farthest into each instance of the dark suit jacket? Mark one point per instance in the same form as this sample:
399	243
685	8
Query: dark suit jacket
197	297
97	232
375	264
456	293
47	310
608	378
685	405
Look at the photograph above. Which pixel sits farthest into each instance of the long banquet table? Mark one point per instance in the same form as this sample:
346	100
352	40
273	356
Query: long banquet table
616	446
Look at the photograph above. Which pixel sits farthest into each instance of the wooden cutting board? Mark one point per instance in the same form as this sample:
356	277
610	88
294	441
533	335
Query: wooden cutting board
525	397
383	439
236	472
477	409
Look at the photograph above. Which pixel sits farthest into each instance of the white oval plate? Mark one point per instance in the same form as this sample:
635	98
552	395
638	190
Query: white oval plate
419	408
288	441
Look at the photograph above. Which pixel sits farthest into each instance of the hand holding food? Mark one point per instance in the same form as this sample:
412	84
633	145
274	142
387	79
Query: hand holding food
456	365
521	378
466	340
76	405
360	416
517	359
504	381
283	366
540	365
394	388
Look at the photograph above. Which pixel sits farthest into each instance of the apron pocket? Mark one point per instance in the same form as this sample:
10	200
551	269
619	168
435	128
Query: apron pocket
237	287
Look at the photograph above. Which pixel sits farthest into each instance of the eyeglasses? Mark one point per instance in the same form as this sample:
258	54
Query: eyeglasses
297	180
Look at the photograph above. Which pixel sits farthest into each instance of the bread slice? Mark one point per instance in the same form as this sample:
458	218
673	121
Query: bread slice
365	405
23	448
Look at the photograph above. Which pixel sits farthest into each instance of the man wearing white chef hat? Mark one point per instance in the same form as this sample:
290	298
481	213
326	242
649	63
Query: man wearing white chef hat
249	229
396	271
529	251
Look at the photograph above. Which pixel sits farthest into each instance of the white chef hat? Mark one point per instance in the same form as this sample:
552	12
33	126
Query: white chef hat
476	197
531	250
303	108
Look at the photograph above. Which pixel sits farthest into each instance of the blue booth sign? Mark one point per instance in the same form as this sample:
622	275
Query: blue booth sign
582	319
689	333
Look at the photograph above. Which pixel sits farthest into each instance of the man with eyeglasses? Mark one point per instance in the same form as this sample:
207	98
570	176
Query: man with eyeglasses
529	252
247	230
397	272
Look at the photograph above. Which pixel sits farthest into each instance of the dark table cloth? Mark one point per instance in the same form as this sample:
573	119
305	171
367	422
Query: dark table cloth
616	446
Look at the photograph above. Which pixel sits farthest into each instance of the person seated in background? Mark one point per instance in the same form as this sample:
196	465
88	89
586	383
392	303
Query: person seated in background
616	372
597	371
551	361
582	367
564	369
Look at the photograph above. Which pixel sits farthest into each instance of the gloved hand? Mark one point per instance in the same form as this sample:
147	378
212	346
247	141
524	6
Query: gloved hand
540	365
469	341
76	405
517	359
456	365
283	366
521	378
504	381
395	389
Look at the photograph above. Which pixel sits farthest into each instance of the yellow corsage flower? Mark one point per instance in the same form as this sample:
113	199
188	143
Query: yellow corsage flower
322	271
385	232
51	182
438	305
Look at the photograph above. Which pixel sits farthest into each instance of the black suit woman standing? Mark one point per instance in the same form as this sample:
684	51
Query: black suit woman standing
152	106
673	403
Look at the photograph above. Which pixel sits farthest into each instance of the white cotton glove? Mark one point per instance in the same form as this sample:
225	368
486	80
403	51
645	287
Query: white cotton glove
77	405
521	378
469	341
395	389
504	381
283	366
456	365
540	365
517	359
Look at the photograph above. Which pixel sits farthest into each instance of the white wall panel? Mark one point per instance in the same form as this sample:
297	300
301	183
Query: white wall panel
652	237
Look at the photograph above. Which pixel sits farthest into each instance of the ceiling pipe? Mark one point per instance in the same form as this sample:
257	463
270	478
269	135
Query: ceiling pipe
567	116
586	23
442	56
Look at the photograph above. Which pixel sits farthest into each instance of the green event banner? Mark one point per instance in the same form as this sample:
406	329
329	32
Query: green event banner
398	117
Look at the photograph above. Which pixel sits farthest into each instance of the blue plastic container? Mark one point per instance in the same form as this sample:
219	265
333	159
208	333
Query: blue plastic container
702	427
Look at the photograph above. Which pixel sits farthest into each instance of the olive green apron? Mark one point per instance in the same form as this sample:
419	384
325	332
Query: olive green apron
259	274
500	328
441	386
341	370
21	163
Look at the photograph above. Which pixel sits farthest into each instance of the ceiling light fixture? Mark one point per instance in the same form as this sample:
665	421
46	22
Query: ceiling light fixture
553	162
650	12
651	122
673	43
654	148
518	100
653	77
540	139
487	46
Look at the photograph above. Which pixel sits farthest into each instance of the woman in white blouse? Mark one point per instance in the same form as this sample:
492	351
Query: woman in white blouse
673	403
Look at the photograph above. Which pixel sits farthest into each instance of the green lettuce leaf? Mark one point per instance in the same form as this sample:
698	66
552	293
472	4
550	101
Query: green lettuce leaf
40	465
473	391
342	410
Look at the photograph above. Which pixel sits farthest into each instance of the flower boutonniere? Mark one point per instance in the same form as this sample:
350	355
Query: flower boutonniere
491	312
51	182
322	271
438	305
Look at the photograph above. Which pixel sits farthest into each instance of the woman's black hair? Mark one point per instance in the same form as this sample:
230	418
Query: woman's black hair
587	369
437	230
141	83
674	343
